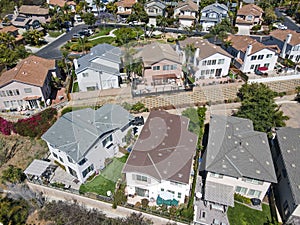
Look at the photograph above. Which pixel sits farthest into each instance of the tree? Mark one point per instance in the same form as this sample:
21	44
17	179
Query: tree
112	8
33	37
220	31
124	35
138	14
259	106
162	22
89	18
13	175
13	211
270	15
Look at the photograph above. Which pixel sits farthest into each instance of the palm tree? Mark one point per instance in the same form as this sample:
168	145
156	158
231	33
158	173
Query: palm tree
99	4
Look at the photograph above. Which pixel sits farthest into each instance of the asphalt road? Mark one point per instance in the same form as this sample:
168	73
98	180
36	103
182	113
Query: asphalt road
287	22
52	50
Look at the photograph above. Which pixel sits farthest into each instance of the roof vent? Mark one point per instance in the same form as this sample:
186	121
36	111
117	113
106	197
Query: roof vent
251	160
133	156
288	151
224	166
229	137
165	172
284	138
234	157
191	140
180	175
159	154
257	171
163	143
293	165
267	162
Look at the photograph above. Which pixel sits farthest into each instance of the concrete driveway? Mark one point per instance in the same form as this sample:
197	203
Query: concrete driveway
243	30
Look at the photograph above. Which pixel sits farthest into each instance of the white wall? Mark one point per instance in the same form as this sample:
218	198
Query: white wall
104	62
296	211
239	182
103	81
186	23
206	25
295	51
246	67
36	91
154	187
225	66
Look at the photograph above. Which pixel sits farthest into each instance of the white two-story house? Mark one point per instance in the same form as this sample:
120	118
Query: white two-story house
286	154
187	13
212	15
160	164
124	8
100	69
81	140
27	84
154	8
209	60
237	160
251	55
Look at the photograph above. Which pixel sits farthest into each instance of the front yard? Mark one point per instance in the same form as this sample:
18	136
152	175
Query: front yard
240	214
107	179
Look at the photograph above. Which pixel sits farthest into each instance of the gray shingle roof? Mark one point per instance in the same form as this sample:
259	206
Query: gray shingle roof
235	149
105	51
164	149
289	144
219	193
75	132
216	7
157	3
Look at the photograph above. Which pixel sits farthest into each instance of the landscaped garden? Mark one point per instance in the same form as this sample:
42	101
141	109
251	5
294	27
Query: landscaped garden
241	214
107	179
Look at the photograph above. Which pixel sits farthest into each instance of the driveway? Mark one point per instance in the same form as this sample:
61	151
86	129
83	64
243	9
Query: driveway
287	21
52	50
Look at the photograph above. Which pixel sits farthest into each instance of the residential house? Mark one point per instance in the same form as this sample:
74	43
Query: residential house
251	55
187	13
124	8
288	42
161	63
209	60
13	31
34	10
99	69
212	15
155	8
286	156
159	166
237	160
248	16
82	140
28	84
61	3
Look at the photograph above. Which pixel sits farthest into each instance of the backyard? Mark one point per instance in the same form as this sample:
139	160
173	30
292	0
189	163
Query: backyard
107	179
240	214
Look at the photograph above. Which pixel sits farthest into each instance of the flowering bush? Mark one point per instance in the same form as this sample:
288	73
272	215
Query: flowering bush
6	127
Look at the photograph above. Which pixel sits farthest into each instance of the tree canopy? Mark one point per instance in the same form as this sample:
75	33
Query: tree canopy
259	106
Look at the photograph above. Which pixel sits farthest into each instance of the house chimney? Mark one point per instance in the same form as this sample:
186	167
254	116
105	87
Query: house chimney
241	4
287	40
16	11
197	52
75	63
249	50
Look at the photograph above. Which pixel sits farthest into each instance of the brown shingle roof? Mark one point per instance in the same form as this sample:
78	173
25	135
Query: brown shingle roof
126	3
164	149
32	70
250	9
8	29
61	3
281	35
156	52
206	48
241	43
189	5
33	9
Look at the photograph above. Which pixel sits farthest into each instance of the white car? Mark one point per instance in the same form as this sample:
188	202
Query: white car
280	26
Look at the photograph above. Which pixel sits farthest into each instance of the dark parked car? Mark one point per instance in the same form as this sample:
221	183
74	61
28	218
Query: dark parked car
255	201
257	72
138	121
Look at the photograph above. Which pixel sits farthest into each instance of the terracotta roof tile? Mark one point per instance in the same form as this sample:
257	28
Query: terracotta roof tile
281	35
250	9
8	29
33	9
188	5
32	70
61	3
126	3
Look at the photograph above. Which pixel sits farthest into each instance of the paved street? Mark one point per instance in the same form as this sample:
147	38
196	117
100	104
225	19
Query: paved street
106	208
52	50
287	21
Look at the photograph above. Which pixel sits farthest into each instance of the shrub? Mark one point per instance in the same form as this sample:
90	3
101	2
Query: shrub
170	40
145	203
242	199
13	174
139	107
6	127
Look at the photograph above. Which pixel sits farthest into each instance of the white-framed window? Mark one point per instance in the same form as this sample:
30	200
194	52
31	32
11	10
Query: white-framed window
213	62
27	90
221	61
252	181
9	92
141	178
253	57
241	190
260	57
166	67
156	67
254	193
85	74
173	67
202	72
267	65
20	102
269	56
209	62
204	63
2	94
16	92
178	195
216	175
249	18
212	71
6	104
251	67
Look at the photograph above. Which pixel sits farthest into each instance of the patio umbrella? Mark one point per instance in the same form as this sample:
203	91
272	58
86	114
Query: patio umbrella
263	68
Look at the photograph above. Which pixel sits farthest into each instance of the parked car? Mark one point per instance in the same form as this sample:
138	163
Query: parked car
255	201
258	72
138	121
75	37
280	26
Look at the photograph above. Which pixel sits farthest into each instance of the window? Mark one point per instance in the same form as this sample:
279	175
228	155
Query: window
212	71
162	189
2	94
209	62
286	208
72	172
267	65
9	93
204	63
156	67
70	160
221	61
141	178
260	57
207	72
249	18
60	159
54	155
202	72
27	90
253	57
85	74
172	192
92	88
214	62
216	175
83	161
166	67
179	195
252	181
241	190
107	140
254	193
291	56
87	170
251	67
6	104
20	102
297	58
173	67
16	92
269	56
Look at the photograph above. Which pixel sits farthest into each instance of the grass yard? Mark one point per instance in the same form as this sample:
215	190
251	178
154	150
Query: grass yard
102	40
106	181
102	32
243	215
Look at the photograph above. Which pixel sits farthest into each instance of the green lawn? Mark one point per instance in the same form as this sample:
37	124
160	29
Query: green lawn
106	181
243	215
102	32
102	40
